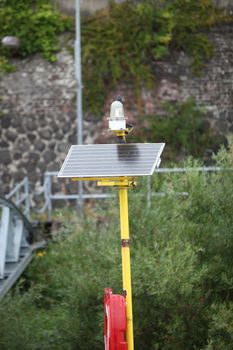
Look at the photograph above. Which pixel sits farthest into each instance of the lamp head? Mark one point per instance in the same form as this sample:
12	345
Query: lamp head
117	120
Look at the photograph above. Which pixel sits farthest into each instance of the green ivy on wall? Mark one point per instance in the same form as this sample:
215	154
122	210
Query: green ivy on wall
192	20
120	44
123	43
184	127
36	23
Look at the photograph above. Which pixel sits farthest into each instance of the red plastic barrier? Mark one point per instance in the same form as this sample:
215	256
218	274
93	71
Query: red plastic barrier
114	321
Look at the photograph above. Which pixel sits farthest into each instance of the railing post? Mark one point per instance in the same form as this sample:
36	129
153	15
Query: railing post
27	197
48	194
17	196
4	230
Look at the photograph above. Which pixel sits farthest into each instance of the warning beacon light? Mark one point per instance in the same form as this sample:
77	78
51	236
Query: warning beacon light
117	120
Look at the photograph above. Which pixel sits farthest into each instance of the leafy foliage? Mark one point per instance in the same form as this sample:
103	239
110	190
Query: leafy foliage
121	44
35	23
220	334
184	127
193	19
124	42
182	252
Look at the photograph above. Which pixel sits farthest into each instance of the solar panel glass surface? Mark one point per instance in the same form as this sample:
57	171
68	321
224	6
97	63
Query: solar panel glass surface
111	160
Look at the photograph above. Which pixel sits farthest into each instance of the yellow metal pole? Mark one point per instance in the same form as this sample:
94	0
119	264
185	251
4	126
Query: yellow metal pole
126	271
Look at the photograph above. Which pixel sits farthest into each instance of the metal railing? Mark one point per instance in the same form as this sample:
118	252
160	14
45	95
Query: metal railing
16	241
50	197
20	196
197	169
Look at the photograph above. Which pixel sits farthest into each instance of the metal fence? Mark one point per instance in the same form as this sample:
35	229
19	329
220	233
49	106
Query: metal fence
20	195
50	197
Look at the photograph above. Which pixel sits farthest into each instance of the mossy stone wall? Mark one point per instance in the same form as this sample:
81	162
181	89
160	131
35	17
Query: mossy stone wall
38	113
90	6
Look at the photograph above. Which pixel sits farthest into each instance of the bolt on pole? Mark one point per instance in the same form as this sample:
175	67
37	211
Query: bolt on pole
78	75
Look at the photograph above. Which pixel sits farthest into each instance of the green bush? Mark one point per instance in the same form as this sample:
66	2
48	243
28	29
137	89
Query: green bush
182	250
192	21
120	44
220	335
35	23
66	290
184	127
123	44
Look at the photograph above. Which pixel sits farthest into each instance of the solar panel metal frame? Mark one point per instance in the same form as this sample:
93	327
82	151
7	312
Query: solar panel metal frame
135	156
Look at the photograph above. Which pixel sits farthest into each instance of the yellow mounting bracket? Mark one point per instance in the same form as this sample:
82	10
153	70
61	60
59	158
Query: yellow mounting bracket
125	182
110	181
121	134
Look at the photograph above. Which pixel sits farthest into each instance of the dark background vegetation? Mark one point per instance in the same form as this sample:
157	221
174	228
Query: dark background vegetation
186	130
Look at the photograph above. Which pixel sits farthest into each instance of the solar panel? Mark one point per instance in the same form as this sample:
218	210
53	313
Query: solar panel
111	160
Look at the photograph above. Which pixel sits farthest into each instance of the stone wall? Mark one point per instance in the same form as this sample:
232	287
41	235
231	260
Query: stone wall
227	4
90	6
174	81
38	119
86	6
38	114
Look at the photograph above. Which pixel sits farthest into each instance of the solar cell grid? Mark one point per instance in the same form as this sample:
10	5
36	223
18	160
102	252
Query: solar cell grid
109	160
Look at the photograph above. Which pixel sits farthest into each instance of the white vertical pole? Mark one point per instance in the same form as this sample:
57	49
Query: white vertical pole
78	75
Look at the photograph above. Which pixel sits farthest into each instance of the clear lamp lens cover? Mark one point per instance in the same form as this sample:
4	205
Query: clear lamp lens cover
117	111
